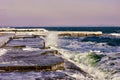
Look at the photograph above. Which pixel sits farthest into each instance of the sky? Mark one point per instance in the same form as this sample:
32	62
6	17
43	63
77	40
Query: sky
59	12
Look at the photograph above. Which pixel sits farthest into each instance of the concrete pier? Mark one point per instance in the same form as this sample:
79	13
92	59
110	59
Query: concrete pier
19	60
39	32
44	32
4	39
25	50
79	33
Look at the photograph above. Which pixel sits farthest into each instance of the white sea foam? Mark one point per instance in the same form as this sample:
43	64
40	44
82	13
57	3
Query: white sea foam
27	48
79	60
4	39
77	45
115	34
51	39
2	51
43	75
75	52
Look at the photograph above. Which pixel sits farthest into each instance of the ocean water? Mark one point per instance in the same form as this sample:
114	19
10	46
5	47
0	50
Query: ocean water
107	44
106	29
76	48
111	37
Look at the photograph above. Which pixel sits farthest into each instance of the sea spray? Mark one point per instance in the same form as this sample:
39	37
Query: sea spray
2	51
74	57
51	39
78	59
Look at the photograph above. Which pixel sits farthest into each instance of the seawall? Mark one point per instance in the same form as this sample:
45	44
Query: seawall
44	32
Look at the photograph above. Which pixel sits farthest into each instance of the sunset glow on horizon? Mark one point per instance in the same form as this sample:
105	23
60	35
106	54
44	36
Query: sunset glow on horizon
59	12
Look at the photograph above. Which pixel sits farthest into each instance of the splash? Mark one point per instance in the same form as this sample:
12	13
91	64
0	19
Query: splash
115	34
86	60
73	56
79	60
2	51
51	39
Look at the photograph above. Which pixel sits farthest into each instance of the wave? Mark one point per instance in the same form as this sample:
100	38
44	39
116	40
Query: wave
3	51
115	34
81	50
112	41
85	61
95	63
91	43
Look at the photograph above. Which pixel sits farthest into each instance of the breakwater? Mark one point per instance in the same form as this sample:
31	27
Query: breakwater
31	50
44	32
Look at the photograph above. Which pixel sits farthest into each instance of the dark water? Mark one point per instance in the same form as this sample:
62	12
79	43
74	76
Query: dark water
111	41
103	29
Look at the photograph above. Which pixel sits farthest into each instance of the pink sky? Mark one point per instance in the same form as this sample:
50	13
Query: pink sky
59	12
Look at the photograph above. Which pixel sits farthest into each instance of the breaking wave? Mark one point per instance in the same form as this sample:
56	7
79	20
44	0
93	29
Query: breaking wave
98	55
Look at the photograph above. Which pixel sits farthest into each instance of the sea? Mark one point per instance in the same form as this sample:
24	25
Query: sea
107	45
106	29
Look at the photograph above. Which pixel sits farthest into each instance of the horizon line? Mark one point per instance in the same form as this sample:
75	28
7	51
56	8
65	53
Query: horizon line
65	26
